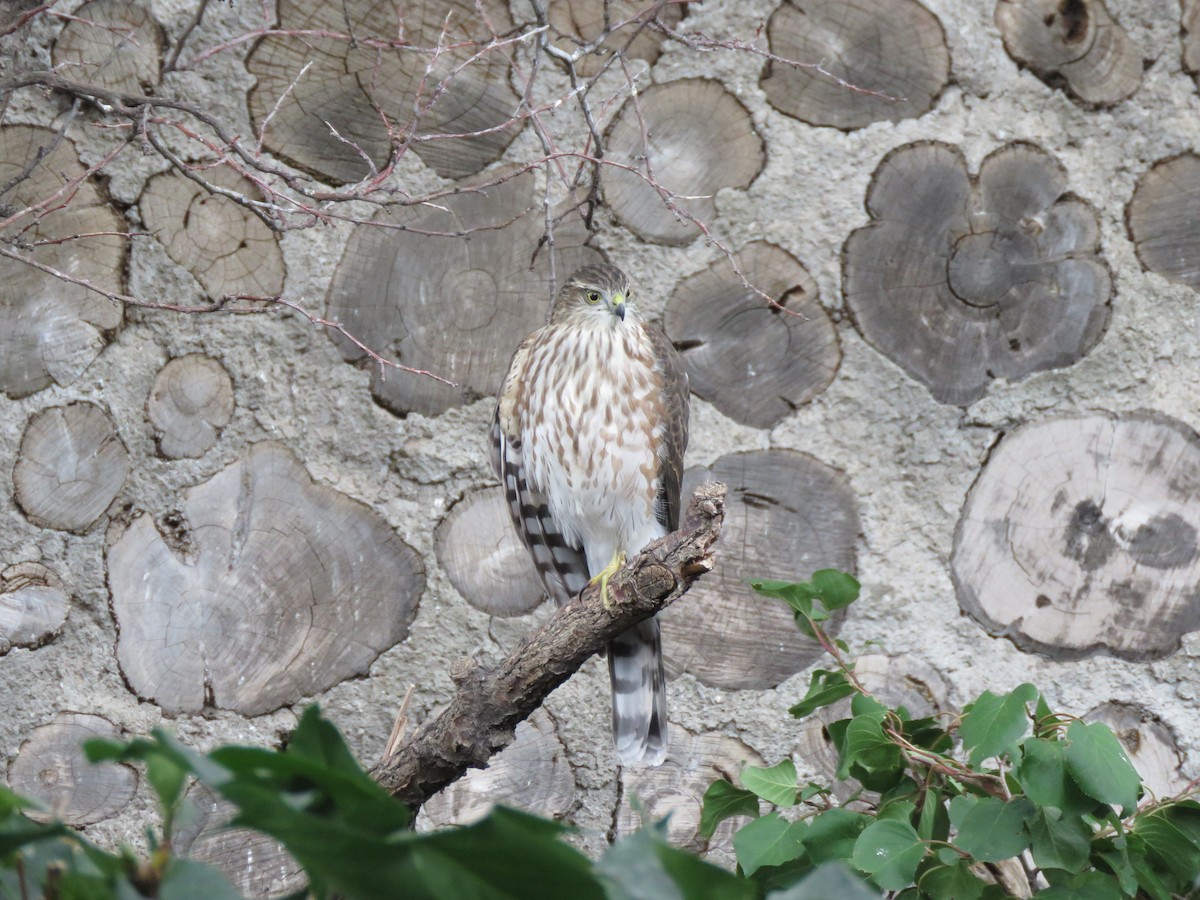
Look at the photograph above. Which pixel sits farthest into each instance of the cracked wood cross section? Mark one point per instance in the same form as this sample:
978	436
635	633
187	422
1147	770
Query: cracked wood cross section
490	700
451	290
1072	44
338	83
1080	536
960	280
893	48
754	362
262	588
662	141
784	509
577	23
51	329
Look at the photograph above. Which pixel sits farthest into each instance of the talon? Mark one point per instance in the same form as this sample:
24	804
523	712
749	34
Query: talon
614	566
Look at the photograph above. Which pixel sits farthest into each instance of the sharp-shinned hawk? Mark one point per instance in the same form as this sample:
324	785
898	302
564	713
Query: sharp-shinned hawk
588	439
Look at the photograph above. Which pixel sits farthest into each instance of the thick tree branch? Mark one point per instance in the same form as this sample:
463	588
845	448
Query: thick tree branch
491	700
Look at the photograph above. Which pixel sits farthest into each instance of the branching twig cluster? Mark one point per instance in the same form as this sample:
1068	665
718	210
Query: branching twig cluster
193	140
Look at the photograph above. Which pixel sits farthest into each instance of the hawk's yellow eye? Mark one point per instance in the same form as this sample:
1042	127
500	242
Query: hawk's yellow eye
593	296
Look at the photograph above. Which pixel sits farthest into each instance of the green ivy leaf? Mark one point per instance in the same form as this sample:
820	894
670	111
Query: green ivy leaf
832	834
890	851
824	688
723	801
1098	764
768	841
957	881
832	879
644	866
990	829
1169	848
1059	841
993	723
934	824
776	784
836	589
866	745
186	879
1092	885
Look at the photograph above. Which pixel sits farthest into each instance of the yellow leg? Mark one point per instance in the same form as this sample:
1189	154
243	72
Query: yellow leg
614	566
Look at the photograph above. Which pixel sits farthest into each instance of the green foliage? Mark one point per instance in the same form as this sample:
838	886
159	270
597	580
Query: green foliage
1009	778
937	800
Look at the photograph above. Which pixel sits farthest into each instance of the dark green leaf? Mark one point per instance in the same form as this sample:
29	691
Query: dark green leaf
831	834
1098	764
1092	885
934	824
990	829
1059	841
507	854
644	867
824	688
776	784
866	745
890	851
954	881
831	880
722	801
1169	851
836	589
768	841
993	723
187	879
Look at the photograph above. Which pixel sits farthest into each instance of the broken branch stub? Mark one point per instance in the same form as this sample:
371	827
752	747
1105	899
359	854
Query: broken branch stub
113	44
70	467
1080	536
455	302
664	135
1163	218
1074	44
337	95
490	700
51	767
752	361
52	329
894	51
785	509
264	587
962	280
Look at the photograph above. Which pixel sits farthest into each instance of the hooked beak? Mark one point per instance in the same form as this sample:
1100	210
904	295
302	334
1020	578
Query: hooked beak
617	305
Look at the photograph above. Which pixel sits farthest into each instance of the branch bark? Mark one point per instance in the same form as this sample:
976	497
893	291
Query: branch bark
490	700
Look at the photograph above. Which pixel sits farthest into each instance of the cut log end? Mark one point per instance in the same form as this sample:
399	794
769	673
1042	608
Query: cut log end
963	280
52	768
33	606
189	404
893	51
1080	536
1077	45
682	158
263	588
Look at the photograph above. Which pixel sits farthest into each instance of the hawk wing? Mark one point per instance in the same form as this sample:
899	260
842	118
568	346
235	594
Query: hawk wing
562	567
674	428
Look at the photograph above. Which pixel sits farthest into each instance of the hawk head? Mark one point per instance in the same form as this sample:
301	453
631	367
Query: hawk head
593	295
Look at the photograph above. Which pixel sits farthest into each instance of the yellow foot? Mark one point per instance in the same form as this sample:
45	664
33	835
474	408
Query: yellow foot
614	566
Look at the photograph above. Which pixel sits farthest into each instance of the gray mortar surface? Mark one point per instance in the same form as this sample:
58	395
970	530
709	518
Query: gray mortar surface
909	459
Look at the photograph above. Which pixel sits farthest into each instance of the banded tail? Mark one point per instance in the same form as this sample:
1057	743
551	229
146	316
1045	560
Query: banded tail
639	695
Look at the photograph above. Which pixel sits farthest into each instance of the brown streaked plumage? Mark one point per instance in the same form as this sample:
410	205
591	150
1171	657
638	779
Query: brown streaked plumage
588	440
